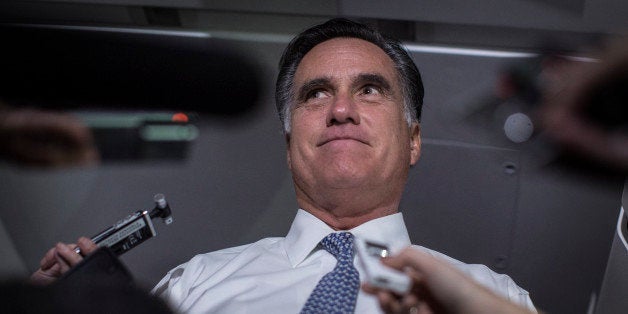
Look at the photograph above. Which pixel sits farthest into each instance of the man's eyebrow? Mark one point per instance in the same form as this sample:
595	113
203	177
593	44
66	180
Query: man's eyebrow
310	85
373	78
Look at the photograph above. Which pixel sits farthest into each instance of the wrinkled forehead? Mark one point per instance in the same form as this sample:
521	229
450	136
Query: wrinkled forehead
344	57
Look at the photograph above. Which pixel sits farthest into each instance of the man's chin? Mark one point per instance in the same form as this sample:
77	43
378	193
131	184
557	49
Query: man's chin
347	181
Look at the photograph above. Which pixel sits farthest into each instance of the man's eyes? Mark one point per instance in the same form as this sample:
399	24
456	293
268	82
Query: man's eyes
316	94
371	90
366	90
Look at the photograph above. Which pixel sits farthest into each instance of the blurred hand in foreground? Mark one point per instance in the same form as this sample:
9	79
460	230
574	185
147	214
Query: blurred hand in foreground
438	287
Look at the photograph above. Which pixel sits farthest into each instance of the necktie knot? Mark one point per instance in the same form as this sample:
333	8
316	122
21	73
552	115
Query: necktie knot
340	245
337	291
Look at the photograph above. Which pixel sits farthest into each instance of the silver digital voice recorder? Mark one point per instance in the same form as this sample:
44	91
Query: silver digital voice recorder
134	229
375	273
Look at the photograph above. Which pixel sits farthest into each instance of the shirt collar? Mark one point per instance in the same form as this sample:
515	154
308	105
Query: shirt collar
307	231
304	235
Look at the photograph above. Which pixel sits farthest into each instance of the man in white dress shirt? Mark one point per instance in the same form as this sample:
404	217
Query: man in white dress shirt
350	102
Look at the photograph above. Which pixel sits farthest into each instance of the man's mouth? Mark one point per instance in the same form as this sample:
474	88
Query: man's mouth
341	138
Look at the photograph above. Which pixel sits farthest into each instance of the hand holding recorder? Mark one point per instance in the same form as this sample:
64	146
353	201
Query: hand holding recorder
437	287
59	259
121	237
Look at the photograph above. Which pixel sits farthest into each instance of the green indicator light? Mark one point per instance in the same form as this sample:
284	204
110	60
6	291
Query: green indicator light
171	133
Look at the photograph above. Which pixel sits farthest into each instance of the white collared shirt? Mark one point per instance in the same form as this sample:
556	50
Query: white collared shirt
277	275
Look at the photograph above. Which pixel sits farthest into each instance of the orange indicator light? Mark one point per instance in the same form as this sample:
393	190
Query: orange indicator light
180	117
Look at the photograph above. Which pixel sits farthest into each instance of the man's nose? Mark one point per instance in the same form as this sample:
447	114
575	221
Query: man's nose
343	109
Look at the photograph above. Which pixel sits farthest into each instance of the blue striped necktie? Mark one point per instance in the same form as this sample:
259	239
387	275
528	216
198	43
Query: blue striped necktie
337	291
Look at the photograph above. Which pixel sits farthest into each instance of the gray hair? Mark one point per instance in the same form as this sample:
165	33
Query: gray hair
408	74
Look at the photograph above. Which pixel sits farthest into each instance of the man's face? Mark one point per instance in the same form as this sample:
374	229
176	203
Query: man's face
348	126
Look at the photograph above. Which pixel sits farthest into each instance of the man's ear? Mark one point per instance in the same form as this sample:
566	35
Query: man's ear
288	158
415	143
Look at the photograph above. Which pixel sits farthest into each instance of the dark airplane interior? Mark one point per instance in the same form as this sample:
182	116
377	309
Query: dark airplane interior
179	96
